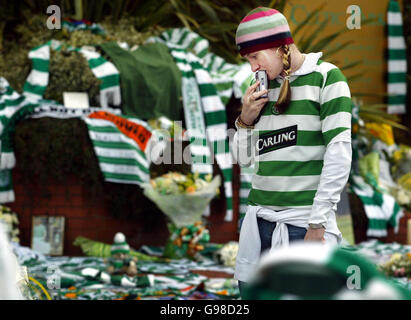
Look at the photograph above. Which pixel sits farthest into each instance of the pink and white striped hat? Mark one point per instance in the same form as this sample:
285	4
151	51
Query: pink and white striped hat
262	28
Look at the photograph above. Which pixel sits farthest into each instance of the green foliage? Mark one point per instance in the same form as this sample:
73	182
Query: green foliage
54	149
125	30
14	62
377	113
215	20
15	67
34	32
69	71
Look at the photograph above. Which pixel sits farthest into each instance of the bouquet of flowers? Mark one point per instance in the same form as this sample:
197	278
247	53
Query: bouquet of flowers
401	170
182	198
399	265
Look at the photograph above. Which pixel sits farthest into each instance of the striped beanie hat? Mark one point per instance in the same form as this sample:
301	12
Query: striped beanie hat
120	245
262	28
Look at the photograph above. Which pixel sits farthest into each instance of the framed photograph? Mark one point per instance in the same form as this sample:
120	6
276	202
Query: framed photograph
47	235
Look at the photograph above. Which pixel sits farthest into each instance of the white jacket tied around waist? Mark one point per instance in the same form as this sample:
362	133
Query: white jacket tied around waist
250	244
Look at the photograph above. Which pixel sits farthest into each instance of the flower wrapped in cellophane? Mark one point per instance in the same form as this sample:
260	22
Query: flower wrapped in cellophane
182	198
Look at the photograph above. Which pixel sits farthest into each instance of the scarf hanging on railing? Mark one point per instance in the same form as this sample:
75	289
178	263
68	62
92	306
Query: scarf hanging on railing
397	60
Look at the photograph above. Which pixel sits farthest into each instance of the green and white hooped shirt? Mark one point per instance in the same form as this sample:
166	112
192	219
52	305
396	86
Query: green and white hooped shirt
289	148
301	159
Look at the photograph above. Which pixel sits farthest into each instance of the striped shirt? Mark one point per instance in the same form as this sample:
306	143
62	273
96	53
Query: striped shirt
289	148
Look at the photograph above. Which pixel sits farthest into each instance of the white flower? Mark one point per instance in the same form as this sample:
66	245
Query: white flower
7	218
403	197
407	154
200	184
228	253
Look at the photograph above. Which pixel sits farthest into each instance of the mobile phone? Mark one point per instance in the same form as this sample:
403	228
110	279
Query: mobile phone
261	75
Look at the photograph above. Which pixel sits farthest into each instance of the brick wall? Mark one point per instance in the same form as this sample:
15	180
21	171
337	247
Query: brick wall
90	216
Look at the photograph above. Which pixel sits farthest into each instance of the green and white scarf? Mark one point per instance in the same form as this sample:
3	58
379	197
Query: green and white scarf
195	122
104	70
215	81
397	60
381	208
80	25
228	78
12	108
120	158
10	102
117	280
15	107
193	113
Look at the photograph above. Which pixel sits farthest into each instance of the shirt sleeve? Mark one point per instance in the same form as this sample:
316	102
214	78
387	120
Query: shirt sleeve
244	142
335	107
243	147
334	177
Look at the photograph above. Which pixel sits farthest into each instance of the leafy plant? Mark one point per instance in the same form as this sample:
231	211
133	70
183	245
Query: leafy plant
377	113
69	71
215	20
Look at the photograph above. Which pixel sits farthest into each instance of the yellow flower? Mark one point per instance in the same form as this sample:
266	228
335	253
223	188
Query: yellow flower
397	155
381	131
405	181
